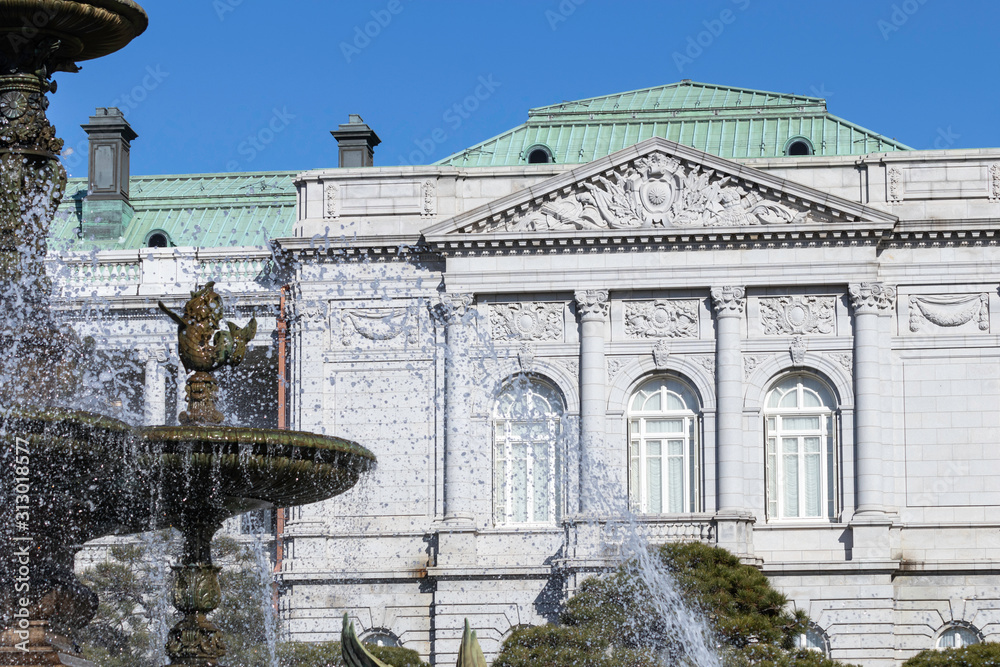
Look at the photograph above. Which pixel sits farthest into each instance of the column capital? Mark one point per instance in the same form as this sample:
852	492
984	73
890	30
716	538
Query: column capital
871	297
452	306
728	300
592	304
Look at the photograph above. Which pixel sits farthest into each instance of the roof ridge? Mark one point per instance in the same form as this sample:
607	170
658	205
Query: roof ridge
560	106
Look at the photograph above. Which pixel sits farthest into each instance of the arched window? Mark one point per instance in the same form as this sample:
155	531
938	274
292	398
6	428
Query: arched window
527	419
158	239
800	449
663	447
539	154
380	637
798	146
813	639
958	636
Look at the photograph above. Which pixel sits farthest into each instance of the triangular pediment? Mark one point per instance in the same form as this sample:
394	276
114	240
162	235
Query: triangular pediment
659	185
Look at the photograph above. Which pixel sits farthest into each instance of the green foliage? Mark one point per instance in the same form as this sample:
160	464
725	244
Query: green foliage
128	587
612	620
246	601
327	654
977	655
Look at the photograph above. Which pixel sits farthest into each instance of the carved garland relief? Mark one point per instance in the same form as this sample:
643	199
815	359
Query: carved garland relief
949	311
376	324
654	191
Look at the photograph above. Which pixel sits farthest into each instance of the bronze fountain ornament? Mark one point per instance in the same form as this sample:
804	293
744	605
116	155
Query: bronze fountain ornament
53	456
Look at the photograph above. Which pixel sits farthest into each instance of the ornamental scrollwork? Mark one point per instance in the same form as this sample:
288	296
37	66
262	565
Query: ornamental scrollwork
428	205
453	306
662	319
728	300
655	190
950	311
871	297
527	321
592	303
797	315
332	209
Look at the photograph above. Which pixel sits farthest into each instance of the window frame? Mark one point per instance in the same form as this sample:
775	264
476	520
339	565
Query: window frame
504	511
775	493
958	628
637	448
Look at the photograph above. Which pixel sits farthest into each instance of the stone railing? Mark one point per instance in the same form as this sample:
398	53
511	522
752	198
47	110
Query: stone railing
607	539
158	271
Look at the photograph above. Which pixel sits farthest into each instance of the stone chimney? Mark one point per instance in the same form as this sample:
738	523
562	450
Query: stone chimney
357	142
106	209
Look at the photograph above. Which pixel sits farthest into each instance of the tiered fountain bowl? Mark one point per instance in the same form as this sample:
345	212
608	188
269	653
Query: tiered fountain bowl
68	476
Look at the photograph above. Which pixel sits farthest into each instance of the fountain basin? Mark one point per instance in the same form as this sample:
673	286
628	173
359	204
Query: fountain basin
85	30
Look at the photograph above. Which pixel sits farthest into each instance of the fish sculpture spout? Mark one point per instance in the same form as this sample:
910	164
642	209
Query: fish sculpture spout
203	348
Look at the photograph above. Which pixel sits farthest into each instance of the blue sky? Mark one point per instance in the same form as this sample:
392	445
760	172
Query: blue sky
247	85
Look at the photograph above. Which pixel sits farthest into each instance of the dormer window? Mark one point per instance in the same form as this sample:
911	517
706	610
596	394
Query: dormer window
540	155
798	146
158	239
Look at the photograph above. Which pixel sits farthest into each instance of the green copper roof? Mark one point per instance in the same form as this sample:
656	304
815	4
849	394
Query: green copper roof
725	121
203	210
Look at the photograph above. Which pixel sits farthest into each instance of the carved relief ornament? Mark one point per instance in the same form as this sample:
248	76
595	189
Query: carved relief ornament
871	297
797	315
592	303
377	324
332	210
656	190
950	311
728	300
452	306
527	321
662	319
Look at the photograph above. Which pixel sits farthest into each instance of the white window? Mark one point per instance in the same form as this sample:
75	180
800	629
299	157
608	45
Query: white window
526	425
663	448
812	639
957	636
800	451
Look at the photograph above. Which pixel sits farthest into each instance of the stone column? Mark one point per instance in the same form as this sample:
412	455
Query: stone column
155	395
869	300
460	473
596	462
728	303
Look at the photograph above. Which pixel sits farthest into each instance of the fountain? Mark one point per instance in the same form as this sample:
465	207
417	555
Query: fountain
68	476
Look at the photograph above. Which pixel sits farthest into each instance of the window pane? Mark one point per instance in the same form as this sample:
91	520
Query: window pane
810	400
654	482
813	486
800	423
790	481
675	448
675	469
810	445
664	426
519	483
652	403
789	400
674	402
540	483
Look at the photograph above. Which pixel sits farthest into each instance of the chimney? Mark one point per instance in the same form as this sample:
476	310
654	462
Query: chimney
106	209
357	142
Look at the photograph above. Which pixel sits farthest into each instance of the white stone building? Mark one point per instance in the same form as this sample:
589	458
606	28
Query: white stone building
793	354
